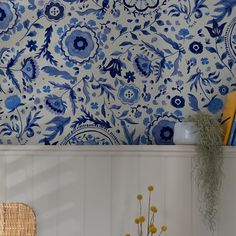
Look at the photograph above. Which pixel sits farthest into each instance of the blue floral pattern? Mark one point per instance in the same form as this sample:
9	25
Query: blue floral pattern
8	16
54	11
79	44
108	72
128	94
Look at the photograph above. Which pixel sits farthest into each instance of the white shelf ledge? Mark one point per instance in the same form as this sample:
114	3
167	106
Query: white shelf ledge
119	150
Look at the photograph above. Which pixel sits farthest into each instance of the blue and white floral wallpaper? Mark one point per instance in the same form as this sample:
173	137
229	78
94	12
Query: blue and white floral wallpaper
112	71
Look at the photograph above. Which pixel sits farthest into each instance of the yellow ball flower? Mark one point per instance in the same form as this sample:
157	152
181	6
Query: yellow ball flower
139	196
152	229
164	228
141	219
153	209
150	188
136	221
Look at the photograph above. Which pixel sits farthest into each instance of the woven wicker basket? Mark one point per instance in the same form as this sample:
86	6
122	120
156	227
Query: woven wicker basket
17	219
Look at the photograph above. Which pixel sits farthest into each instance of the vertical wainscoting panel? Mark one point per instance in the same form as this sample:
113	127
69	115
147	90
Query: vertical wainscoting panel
2	178
97	198
46	192
227	225
125	186
178	195
70	221
131	174
19	177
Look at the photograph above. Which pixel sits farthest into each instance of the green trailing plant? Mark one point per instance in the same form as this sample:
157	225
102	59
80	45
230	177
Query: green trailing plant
208	166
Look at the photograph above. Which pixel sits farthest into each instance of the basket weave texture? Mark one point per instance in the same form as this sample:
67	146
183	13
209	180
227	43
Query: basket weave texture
17	219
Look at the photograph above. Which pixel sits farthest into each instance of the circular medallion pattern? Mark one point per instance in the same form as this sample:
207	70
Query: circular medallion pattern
8	16
141	5
230	39
90	135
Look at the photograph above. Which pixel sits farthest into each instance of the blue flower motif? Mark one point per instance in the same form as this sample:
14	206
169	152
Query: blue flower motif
163	132
80	44
54	11
114	66
223	89
143	65
32	45
29	69
146	121
162	88
129	76
129	94
169	65
94	105
193	61
196	47
204	60
178	101
46	89
179	83
216	29
13	102
55	104
184	32
8	16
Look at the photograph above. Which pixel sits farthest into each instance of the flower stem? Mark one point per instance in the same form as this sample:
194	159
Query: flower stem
21	125
30	28
149	203
72	87
217	52
203	91
5	68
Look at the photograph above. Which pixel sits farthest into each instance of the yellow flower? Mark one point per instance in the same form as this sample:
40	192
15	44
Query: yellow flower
153	209
127	235
150	188
139	196
152	229
164	228
136	221
141	219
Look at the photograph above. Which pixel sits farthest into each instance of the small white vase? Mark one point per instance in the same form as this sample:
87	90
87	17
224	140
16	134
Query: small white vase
185	133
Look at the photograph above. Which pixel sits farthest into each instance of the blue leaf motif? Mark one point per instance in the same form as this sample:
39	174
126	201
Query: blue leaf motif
58	125
2	72
73	98
53	71
126	43
44	49
193	102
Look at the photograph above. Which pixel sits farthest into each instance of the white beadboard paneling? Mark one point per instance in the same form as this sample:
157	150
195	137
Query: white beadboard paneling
125	175
89	191
71	196
2	178
46	193
227	225
97	194
178	196
19	178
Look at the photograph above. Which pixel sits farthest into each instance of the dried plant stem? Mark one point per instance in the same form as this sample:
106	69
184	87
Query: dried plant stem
149	205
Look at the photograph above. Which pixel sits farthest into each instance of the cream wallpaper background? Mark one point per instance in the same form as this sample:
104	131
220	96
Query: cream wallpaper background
111	72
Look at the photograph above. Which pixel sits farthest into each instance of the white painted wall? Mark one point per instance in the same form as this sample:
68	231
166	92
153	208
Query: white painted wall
91	191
